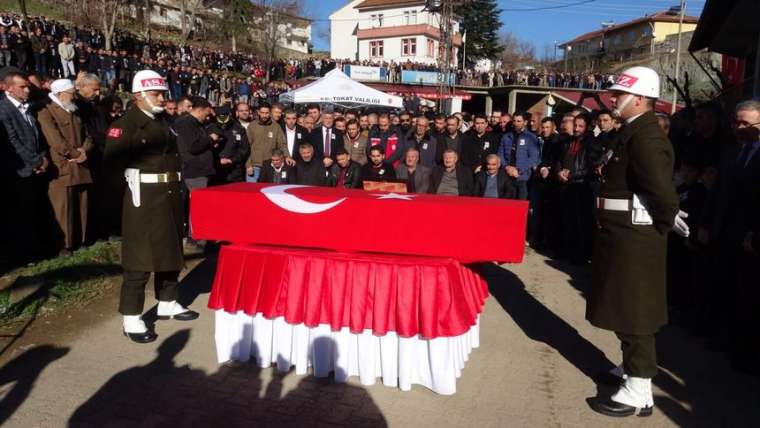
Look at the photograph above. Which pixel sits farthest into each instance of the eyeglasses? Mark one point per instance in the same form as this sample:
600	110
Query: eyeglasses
744	124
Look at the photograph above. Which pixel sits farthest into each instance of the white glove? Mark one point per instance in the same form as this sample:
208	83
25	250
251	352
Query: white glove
679	225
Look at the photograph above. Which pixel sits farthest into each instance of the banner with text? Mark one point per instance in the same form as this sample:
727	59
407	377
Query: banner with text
360	72
423	77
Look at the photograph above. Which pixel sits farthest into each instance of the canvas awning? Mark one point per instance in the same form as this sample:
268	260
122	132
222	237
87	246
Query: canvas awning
338	89
729	27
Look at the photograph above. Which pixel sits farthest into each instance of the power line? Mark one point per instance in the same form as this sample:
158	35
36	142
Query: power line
559	6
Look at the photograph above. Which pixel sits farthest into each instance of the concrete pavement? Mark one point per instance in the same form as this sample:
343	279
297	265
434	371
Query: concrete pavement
533	369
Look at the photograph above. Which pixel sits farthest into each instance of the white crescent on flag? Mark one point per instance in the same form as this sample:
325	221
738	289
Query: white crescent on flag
278	196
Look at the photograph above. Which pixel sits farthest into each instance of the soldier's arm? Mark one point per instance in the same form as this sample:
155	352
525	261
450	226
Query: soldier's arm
652	165
116	155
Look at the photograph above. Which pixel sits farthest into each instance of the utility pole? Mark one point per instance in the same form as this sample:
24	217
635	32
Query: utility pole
678	55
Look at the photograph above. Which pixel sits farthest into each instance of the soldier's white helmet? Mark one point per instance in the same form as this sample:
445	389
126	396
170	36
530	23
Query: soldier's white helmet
638	81
148	80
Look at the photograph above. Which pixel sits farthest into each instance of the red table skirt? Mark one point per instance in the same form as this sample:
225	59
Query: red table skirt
431	297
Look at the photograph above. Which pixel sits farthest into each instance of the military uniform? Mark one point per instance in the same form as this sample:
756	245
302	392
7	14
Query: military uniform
152	232
628	293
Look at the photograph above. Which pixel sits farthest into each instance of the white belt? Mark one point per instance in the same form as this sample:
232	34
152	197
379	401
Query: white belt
166	177
613	204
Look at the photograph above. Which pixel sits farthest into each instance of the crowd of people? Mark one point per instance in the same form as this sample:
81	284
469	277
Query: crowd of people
59	194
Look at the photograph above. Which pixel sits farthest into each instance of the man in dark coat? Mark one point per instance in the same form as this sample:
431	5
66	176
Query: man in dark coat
377	169
493	181
23	164
477	144
309	170
637	208
141	148
451	178
276	170
235	148
417	175
344	173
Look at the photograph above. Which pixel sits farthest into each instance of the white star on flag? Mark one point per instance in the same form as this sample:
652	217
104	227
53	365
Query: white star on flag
393	196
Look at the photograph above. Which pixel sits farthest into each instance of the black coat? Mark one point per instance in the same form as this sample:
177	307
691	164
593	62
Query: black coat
302	136
152	233
316	138
465	181
504	186
235	147
195	147
383	173
22	148
311	173
353	179
476	148
628	291
286	175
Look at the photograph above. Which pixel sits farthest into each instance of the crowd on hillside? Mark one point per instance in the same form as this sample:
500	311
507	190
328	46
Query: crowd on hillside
57	197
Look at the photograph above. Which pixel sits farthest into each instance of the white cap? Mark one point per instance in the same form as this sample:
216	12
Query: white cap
61	85
638	81
148	80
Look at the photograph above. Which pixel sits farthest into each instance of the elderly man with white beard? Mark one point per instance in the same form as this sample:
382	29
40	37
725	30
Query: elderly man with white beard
69	144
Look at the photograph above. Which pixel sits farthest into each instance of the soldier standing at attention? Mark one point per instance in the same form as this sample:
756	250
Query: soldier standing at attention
637	207
141	148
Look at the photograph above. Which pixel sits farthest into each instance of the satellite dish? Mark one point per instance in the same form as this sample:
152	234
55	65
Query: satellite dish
434	5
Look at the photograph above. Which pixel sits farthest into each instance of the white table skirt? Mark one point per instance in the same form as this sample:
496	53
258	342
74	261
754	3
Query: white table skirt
400	362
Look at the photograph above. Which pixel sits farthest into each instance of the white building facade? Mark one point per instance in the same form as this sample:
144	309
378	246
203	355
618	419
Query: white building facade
388	30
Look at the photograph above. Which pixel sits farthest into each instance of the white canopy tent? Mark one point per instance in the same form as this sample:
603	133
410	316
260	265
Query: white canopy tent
337	88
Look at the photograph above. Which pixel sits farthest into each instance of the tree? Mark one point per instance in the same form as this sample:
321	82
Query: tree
481	23
515	52
185	7
270	19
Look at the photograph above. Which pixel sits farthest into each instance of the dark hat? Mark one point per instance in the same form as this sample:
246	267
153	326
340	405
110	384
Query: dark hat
222	110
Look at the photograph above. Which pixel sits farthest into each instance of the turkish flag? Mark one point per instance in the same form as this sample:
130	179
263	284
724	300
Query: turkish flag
463	228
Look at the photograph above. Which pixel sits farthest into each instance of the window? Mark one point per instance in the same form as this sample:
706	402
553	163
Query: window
376	49
379	19
414	17
406	18
373	19
430	48
408	47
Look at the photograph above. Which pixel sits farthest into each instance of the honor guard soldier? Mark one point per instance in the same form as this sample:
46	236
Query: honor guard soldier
142	149
637	207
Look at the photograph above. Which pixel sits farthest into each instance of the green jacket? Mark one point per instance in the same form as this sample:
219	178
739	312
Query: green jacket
629	263
264	139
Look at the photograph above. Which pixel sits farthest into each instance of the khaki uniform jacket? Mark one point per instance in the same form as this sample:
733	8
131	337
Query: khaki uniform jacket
152	232
65	133
264	139
357	149
628	292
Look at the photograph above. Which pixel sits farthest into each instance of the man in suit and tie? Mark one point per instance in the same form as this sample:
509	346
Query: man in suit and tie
295	134
22	167
326	140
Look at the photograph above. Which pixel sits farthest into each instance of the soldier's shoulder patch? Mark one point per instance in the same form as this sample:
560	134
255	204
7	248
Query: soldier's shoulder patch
114	132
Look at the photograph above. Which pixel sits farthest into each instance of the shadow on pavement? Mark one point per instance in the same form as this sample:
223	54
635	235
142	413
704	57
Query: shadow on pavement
23	372
702	389
543	325
164	394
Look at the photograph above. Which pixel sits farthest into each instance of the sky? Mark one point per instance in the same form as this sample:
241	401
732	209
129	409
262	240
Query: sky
543	28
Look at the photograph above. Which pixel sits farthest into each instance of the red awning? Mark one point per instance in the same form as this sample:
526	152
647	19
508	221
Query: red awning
430	92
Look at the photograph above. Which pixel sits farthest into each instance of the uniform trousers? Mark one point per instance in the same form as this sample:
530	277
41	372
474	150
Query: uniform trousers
639	354
133	290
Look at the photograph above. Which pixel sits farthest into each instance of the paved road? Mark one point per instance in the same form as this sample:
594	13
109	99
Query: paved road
533	369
